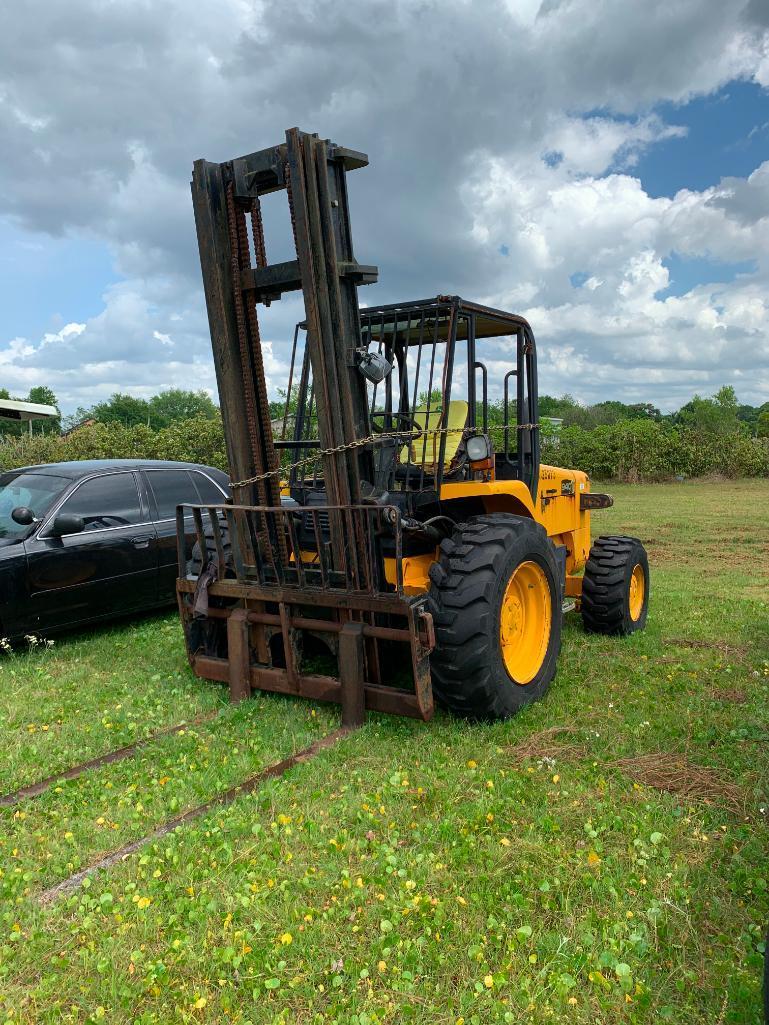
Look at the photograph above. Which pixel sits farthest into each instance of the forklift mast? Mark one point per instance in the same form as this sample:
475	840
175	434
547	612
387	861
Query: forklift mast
226	197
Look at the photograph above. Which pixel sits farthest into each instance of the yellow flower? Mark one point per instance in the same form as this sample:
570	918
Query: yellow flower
286	938
504	841
472	764
488	981
593	860
382	966
200	1003
556	778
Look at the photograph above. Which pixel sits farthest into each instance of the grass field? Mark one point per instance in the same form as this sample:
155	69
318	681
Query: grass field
438	873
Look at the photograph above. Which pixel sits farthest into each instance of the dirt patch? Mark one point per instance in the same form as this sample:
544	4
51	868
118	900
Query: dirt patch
730	694
691	642
675	774
550	743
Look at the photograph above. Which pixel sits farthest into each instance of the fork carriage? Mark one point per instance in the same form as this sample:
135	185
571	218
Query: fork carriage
267	619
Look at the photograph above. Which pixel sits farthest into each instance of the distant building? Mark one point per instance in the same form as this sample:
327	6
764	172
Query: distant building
88	422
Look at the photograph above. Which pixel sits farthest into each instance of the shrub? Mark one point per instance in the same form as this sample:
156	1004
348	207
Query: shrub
642	450
629	450
199	441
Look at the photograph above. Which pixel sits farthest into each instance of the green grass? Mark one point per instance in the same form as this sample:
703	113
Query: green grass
417	873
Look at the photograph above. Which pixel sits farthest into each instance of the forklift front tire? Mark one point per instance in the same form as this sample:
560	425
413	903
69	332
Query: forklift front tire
496	605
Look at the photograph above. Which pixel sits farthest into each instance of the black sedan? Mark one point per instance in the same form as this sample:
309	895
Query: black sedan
92	540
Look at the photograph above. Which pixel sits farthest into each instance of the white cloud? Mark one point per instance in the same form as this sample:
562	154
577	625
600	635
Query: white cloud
492	126
72	330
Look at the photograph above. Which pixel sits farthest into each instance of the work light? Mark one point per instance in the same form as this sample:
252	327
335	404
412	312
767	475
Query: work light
478	448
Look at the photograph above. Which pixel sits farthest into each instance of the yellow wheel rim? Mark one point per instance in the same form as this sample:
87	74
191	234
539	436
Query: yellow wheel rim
525	622
637	592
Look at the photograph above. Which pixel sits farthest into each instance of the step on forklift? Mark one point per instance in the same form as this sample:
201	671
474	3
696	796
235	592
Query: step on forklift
392	538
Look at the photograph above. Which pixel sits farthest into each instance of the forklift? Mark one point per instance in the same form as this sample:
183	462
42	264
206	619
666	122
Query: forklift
393	538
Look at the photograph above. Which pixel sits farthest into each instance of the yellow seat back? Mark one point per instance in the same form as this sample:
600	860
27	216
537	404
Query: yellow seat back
426	449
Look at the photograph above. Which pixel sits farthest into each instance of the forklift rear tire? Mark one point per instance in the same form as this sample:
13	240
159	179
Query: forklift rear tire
495	598
615	588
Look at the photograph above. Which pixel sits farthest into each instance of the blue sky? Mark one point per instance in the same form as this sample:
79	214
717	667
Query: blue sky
48	282
621	202
727	135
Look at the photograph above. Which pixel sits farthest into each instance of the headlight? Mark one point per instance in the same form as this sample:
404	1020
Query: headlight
478	448
374	366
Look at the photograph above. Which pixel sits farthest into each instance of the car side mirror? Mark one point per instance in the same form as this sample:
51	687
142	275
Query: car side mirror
23	515
67	523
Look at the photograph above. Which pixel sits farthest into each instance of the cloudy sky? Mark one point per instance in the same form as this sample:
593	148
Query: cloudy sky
601	166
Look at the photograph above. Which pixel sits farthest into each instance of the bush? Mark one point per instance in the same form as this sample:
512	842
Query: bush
198	441
630	450
642	450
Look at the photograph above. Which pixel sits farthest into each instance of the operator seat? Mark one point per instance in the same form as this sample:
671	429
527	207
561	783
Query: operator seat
424	451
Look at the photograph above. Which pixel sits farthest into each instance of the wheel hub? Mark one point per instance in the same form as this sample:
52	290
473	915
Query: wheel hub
525	622
637	592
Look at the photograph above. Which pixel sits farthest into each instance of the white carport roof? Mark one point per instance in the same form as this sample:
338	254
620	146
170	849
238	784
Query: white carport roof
12	409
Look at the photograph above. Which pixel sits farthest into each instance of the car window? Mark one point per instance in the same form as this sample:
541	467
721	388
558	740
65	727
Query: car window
37	491
210	494
108	501
171	488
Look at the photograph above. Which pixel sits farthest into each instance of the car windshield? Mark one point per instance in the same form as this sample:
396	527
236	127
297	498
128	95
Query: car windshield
36	491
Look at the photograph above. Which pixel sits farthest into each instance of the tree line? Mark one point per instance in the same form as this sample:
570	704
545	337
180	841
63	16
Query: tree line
157	412
610	441
721	413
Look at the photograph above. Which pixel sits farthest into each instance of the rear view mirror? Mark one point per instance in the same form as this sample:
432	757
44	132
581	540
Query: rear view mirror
67	523
23	515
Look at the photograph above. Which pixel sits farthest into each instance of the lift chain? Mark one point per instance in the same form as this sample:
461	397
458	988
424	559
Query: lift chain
373	439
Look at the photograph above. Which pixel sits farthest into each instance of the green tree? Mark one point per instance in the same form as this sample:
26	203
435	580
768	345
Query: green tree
762	424
178	404
716	416
123	409
43	395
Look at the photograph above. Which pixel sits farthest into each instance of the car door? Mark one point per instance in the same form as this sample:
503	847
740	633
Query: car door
171	487
108	568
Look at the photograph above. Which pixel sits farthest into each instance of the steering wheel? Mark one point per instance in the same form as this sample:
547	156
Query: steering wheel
411	432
